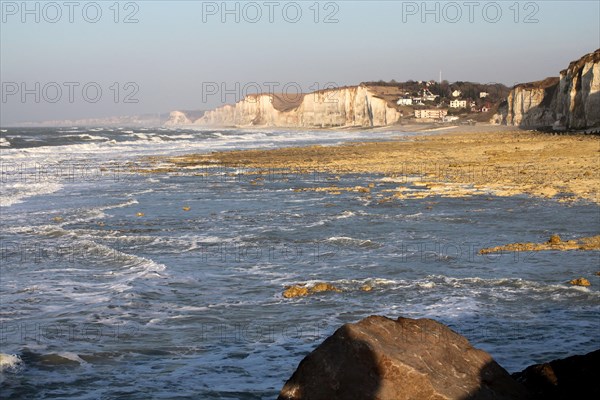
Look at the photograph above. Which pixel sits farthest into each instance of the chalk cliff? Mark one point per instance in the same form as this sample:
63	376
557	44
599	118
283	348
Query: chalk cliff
577	100
528	103
571	101
177	118
358	106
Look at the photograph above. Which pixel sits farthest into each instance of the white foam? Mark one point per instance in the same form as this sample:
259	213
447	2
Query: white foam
9	361
183	136
91	137
71	356
127	203
318	223
97	150
340	239
348	241
17	192
4	142
73	130
346	214
39	229
142	266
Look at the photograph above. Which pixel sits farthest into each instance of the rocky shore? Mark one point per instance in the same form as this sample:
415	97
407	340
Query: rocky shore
458	163
385	359
555	243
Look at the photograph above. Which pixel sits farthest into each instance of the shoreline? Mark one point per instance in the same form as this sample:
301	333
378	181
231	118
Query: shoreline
458	161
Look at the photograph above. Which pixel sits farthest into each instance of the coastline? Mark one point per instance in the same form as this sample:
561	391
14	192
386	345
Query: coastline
453	162
209	241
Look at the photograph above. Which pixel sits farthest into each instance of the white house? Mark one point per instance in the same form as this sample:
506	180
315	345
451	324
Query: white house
404	102
483	95
458	104
456	93
431	113
426	95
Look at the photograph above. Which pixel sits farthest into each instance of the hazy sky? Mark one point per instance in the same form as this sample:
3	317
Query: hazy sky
181	54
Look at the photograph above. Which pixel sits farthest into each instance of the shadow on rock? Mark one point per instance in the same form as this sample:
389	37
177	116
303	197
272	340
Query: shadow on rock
384	359
569	378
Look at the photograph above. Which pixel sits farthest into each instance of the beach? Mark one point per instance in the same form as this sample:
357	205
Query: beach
459	162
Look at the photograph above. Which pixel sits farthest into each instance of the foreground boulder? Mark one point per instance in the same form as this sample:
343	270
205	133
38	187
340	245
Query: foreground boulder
570	378
380	358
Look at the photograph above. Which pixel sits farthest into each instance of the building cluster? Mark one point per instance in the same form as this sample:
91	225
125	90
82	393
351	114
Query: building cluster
469	104
439	113
424	95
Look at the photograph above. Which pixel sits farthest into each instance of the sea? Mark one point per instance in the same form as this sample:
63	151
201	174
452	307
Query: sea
123	282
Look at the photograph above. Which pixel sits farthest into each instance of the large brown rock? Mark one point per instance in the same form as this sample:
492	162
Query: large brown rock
380	358
569	378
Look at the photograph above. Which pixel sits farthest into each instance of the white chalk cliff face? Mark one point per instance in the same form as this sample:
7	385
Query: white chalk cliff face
353	106
526	104
571	101
178	118
343	107
577	102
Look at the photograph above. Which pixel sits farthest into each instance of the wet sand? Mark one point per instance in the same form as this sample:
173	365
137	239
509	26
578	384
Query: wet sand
459	162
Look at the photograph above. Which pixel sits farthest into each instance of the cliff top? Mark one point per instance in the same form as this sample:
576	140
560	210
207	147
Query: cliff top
543	84
578	64
573	66
388	93
289	101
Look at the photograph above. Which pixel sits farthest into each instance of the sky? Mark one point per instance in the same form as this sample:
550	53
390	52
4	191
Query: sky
83	59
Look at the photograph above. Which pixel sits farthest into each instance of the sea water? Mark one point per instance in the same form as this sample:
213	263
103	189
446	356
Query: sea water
119	283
